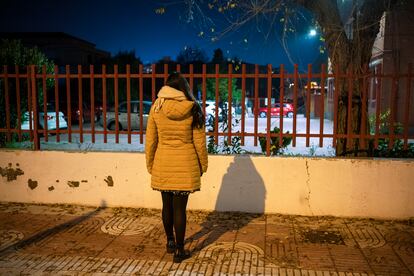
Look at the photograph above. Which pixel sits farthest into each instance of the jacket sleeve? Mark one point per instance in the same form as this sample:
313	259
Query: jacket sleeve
199	138
151	141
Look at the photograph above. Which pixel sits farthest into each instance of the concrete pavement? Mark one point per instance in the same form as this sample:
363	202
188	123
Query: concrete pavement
135	145
79	240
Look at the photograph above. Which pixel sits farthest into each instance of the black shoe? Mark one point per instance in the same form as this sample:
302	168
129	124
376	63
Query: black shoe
170	246
180	255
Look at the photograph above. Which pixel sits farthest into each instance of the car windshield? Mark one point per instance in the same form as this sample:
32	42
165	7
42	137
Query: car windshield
135	107
123	108
147	108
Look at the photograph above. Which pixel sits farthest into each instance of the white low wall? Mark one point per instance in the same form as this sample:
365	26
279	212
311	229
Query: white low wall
287	185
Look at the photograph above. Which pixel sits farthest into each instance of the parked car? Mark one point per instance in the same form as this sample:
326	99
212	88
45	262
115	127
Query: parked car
211	111
123	116
75	111
275	110
98	110
86	112
50	119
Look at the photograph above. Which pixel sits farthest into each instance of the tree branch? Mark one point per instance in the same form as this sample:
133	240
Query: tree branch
329	18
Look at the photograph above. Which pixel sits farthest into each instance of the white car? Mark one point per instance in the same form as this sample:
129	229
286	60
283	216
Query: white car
211	112
50	119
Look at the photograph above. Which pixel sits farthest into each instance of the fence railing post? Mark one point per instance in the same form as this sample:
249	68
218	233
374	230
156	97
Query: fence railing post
18	100
29	101
229	102
44	95
128	81
56	83
256	103
92	96
68	104
363	132
281	102
243	104
308	103
349	130
141	105
116	103
322	103
36	141
335	109
216	112
269	106
368	136
407	105
7	102
295	103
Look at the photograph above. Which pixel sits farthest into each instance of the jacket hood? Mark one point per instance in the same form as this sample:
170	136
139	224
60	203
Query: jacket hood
173	103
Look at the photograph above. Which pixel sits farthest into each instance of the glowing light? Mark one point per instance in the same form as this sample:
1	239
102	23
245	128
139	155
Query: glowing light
312	32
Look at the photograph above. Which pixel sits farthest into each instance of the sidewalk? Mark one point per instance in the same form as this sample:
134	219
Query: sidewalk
77	240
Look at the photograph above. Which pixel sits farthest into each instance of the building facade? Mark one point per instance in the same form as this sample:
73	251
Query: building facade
391	56
61	48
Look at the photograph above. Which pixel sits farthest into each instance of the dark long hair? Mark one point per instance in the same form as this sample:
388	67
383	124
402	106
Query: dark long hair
177	81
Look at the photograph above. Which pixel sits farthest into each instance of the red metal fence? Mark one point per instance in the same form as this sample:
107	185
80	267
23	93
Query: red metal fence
386	100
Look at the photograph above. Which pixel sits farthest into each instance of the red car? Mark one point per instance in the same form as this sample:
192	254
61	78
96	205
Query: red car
75	112
86	112
275	110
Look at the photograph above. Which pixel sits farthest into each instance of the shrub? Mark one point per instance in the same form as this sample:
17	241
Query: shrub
384	148
275	148
12	52
225	147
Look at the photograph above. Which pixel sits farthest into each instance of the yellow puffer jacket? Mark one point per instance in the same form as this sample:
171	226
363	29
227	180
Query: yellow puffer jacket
175	152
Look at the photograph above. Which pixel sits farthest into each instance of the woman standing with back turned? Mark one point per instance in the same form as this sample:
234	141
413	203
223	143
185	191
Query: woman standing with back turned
176	156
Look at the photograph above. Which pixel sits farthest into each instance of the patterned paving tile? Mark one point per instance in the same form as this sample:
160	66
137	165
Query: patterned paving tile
129	225
9	237
71	240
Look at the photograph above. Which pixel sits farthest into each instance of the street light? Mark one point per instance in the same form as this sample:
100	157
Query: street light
312	32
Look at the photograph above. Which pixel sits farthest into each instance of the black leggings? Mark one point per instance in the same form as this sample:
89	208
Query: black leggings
174	216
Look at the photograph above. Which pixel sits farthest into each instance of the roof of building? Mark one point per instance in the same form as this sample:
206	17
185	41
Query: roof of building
43	35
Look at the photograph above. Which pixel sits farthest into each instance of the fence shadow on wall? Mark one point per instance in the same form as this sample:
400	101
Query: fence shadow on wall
242	190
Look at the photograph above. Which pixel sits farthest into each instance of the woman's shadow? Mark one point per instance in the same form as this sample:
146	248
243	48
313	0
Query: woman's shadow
241	199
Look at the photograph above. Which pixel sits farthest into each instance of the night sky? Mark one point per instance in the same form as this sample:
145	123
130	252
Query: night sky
134	24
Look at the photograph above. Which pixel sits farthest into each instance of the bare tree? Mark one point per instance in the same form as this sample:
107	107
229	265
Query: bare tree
349	28
192	55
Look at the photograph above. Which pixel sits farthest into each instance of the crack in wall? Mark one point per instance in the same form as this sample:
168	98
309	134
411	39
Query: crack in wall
308	186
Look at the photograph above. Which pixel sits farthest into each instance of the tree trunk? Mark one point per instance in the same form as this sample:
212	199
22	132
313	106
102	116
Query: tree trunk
350	123
349	53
